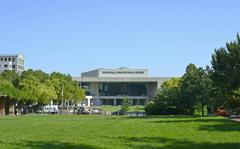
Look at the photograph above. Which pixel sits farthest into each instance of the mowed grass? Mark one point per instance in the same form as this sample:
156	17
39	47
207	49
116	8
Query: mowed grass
113	132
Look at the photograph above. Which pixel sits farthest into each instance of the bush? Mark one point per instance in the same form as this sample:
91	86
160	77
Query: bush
153	108
125	105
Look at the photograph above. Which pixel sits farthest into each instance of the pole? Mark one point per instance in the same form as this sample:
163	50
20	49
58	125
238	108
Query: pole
62	99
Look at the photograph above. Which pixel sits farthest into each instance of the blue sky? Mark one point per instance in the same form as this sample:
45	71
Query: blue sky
73	36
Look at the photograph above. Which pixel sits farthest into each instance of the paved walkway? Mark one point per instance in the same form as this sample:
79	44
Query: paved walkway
236	119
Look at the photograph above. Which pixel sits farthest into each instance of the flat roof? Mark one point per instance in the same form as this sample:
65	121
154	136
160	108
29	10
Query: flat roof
140	79
11	55
116	72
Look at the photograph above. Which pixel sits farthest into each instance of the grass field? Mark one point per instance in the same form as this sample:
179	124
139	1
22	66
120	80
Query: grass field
92	132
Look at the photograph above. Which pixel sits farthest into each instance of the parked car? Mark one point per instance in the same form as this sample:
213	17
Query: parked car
39	110
51	109
119	112
81	110
96	111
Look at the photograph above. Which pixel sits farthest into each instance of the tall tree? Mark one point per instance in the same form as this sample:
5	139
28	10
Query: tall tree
196	87
226	69
189	89
166	100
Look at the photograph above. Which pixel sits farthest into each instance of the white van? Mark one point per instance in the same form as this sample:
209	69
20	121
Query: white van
53	109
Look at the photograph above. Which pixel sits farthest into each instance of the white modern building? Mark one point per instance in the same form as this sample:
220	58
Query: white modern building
12	62
111	86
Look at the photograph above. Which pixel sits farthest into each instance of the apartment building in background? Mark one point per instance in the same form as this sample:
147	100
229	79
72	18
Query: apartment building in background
12	62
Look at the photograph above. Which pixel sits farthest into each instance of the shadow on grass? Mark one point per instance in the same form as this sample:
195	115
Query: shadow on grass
162	116
48	145
184	120
168	143
127	142
227	126
207	124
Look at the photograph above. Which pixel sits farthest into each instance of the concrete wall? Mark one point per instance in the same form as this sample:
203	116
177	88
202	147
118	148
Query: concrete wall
93	73
123	73
116	73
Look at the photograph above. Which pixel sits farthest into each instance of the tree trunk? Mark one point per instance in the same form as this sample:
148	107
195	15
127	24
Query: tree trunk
202	110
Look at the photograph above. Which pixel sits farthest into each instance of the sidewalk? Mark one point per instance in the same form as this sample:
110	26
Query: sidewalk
236	119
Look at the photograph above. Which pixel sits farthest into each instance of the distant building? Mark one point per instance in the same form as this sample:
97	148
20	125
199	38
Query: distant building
111	86
12	62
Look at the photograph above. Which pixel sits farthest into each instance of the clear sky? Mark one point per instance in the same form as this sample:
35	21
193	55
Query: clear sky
73	36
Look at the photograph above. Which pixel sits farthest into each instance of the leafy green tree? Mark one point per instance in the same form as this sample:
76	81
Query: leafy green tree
78	94
196	87
234	100
204	89
166	99
11	76
226	70
189	89
125	105
38	87
7	89
46	94
30	89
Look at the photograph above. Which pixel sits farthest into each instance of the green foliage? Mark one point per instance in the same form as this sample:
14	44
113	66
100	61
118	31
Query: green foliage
226	72
125	105
181	95
201	88
7	89
39	87
166	98
196	87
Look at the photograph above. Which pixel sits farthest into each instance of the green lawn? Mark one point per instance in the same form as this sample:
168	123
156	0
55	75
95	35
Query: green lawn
91	132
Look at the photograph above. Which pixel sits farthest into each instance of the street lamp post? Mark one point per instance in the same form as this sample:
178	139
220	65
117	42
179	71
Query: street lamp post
62	98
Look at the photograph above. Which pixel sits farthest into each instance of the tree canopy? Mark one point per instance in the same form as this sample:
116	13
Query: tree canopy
210	88
38	87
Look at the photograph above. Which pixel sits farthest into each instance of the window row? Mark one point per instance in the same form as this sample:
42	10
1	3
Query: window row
8	59
8	66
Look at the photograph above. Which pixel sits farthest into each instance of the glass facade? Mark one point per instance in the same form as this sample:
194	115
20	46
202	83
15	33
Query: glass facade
121	89
86	87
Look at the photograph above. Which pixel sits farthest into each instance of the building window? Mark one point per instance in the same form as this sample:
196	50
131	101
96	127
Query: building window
20	67
13	66
5	59
1	59
13	59
6	66
108	72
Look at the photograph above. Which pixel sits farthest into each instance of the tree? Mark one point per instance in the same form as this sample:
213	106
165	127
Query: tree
166	99
226	70
7	89
72	90
125	105
11	76
30	89
39	88
196	87
45	94
204	88
189	89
